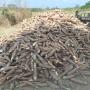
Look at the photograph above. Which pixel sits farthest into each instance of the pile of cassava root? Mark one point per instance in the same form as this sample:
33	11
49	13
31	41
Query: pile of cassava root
49	48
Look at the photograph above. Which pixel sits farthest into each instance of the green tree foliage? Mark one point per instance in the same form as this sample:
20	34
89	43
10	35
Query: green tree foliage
86	6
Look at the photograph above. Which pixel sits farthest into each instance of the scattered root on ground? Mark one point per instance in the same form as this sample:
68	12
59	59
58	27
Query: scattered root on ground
49	48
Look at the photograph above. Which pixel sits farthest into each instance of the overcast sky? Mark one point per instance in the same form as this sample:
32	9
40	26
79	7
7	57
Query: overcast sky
45	3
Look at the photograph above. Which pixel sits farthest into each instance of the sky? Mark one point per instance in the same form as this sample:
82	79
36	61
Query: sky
45	3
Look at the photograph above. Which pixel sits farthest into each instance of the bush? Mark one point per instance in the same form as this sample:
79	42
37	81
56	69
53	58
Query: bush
21	14
9	16
16	15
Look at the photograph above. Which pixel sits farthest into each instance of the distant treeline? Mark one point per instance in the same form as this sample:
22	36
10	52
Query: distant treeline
86	6
13	6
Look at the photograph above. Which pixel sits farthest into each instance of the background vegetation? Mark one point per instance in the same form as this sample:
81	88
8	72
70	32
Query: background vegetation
86	6
12	14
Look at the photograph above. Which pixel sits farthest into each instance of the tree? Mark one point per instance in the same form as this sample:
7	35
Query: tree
87	5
